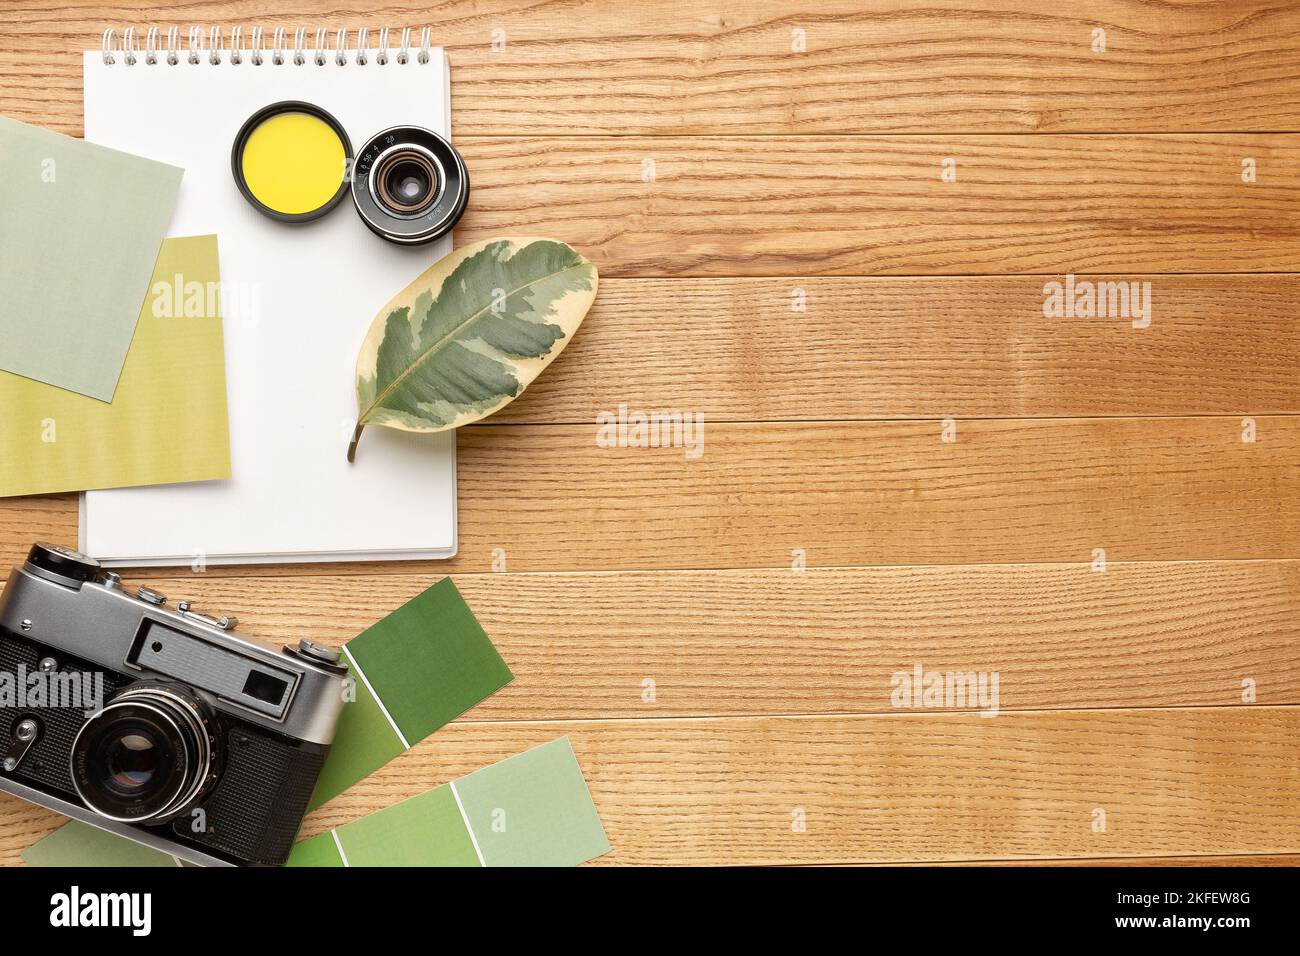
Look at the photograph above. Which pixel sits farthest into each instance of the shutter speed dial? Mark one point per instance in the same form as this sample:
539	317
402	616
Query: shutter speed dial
62	561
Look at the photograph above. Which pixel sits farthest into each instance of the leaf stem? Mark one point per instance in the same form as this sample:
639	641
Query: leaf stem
356	437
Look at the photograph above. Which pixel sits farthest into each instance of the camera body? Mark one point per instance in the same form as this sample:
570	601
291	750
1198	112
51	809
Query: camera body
163	725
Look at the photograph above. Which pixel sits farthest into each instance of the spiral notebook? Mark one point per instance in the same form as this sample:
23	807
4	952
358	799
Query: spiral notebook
296	298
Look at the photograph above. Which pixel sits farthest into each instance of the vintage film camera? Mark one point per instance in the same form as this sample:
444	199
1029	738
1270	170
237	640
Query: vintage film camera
163	725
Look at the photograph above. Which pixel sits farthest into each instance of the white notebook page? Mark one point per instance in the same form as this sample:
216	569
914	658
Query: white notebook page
297	300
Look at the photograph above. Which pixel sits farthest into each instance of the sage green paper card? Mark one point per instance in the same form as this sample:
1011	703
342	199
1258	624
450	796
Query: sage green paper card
533	809
79	844
80	227
418	668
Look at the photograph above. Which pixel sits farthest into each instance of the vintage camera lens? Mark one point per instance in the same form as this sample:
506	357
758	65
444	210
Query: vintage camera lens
407	181
134	758
409	185
145	756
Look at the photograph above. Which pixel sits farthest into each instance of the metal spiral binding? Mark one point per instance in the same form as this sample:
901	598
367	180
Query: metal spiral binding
108	45
210	45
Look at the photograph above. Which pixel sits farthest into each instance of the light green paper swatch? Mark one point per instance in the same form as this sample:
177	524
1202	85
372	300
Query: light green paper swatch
79	844
434	635
426	830
167	423
80	229
533	809
363	742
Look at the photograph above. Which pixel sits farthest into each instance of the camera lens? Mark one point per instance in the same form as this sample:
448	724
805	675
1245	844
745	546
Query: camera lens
145	756
408	182
133	759
409	185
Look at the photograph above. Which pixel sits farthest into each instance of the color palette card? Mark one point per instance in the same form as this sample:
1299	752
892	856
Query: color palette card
167	422
79	233
421	666
533	809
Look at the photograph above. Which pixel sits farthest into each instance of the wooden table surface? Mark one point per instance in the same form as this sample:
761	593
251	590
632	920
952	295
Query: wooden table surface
761	185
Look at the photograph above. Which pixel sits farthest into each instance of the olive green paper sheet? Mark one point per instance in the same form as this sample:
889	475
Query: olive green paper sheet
423	665
167	422
533	809
80	227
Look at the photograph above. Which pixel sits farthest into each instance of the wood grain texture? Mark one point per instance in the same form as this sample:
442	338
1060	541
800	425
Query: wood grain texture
1218	780
730	66
736	206
750	643
853	493
864	348
1207	860
908	787
776	170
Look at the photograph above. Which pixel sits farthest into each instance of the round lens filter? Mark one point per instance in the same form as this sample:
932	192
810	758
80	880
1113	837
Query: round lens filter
290	161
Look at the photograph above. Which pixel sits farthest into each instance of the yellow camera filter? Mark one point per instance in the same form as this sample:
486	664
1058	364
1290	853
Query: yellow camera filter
290	161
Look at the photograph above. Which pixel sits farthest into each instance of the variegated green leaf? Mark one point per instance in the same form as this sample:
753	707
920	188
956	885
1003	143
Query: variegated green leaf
470	334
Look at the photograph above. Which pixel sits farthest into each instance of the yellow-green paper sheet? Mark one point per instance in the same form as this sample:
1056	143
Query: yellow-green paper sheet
167	421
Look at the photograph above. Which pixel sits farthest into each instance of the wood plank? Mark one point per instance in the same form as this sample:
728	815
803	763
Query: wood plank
915	787
751	643
888	347
730	66
1174	782
729	206
848	494
1233	860
862	348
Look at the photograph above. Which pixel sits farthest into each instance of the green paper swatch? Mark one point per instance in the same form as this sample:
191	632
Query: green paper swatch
427	662
424	664
364	740
79	233
167	421
533	809
426	830
79	844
